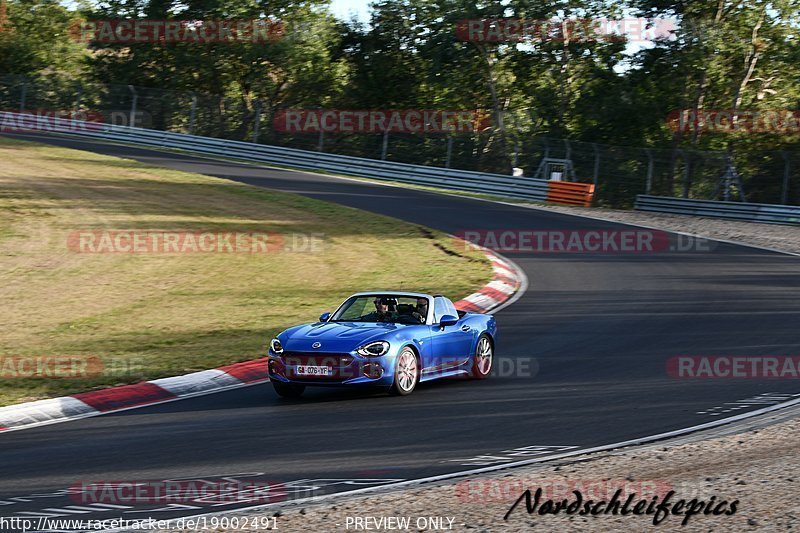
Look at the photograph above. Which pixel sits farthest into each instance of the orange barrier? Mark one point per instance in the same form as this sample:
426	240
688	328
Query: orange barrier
570	193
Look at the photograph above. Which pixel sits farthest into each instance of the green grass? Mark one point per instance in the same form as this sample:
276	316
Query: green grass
152	315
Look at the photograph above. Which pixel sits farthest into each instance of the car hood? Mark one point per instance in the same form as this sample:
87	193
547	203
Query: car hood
336	336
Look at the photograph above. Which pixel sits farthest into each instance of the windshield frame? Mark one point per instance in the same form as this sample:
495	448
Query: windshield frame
372	295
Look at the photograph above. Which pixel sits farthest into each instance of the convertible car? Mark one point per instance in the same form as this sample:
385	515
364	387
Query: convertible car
384	339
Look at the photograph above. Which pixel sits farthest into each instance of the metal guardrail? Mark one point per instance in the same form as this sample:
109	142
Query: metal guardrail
461	180
766	213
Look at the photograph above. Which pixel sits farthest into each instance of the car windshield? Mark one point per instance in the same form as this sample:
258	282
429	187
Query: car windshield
383	308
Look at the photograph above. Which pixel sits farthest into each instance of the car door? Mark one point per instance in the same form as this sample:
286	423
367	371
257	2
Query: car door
450	344
466	336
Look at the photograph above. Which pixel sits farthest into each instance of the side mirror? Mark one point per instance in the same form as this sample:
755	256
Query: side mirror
448	320
324	317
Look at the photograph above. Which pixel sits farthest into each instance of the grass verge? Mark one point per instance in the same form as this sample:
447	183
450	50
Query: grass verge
149	315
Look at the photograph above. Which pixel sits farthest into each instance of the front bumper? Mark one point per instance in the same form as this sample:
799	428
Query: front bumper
345	369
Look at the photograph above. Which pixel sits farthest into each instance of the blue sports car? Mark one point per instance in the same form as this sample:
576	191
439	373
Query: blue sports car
385	339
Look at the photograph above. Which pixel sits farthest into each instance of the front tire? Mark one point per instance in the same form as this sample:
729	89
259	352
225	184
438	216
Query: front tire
483	359
288	390
406	373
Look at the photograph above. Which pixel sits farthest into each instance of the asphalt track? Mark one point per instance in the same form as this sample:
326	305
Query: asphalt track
599	329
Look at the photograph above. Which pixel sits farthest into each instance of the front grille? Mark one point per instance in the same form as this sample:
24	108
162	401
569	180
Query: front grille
321	359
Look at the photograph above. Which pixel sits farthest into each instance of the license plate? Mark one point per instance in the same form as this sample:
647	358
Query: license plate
314	371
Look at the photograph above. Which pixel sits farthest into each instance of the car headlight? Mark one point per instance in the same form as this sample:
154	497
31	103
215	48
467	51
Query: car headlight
276	346
374	349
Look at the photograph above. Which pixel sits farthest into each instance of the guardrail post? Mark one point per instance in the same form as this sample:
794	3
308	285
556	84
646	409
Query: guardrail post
135	95
257	125
596	174
192	114
649	185
786	170
385	146
449	151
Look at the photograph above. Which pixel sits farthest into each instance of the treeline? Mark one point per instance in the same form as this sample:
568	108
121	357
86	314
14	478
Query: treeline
719	55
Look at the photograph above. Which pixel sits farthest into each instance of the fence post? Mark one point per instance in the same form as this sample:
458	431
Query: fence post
78	98
726	183
23	96
596	164
786	170
685	173
321	143
385	146
193	114
135	95
649	185
257	125
449	151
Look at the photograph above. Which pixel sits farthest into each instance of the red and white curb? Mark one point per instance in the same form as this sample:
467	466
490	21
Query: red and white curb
508	280
506	286
86	404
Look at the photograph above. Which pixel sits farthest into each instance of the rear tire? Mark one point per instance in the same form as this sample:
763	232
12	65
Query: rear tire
406	373
288	390
483	359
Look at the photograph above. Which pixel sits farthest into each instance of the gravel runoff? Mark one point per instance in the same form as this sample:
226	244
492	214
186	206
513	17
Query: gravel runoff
779	237
758	467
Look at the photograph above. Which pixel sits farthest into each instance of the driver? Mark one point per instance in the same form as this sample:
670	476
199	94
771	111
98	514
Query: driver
385	310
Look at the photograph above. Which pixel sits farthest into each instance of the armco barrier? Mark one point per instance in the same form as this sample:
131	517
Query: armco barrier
519	187
766	213
570	193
